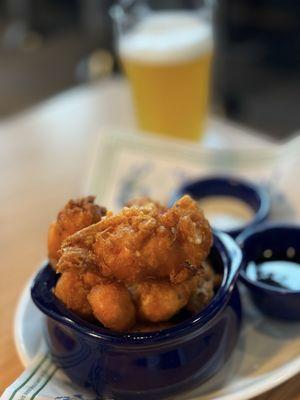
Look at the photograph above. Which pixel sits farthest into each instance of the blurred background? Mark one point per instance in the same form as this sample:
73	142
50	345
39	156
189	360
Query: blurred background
47	46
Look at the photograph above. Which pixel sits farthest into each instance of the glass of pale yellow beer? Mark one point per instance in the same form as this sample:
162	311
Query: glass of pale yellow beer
167	56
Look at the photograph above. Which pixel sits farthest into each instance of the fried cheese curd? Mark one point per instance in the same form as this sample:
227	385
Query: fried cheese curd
76	215
138	267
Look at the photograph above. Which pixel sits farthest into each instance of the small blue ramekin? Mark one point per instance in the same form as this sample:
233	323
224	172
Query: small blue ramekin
146	365
256	197
276	238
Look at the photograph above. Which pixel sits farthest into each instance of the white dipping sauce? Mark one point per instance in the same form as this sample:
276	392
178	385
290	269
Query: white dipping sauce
226	212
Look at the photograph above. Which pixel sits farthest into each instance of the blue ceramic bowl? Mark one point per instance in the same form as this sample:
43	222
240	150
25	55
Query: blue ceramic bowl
254	196
146	365
277	240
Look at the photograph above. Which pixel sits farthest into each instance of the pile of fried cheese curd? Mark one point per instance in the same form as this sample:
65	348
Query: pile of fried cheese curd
134	270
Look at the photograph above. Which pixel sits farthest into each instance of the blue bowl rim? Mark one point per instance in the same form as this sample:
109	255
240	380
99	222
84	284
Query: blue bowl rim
244	277
189	326
264	198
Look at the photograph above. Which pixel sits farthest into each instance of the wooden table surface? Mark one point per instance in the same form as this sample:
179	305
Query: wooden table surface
44	158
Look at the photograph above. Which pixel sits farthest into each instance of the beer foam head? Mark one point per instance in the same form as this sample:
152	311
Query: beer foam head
167	37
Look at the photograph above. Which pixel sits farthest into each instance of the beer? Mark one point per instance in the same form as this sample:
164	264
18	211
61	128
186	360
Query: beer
167	58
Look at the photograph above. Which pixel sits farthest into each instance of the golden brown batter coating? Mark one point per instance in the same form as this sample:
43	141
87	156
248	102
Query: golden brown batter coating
76	215
159	301
142	242
73	293
112	305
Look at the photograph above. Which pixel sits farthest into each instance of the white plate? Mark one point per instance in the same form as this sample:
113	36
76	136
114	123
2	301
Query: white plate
266	355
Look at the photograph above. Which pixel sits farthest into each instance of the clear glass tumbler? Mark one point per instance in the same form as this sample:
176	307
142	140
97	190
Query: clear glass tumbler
167	56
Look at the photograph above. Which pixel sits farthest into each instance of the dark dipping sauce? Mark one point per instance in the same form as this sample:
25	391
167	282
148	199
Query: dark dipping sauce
280	272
